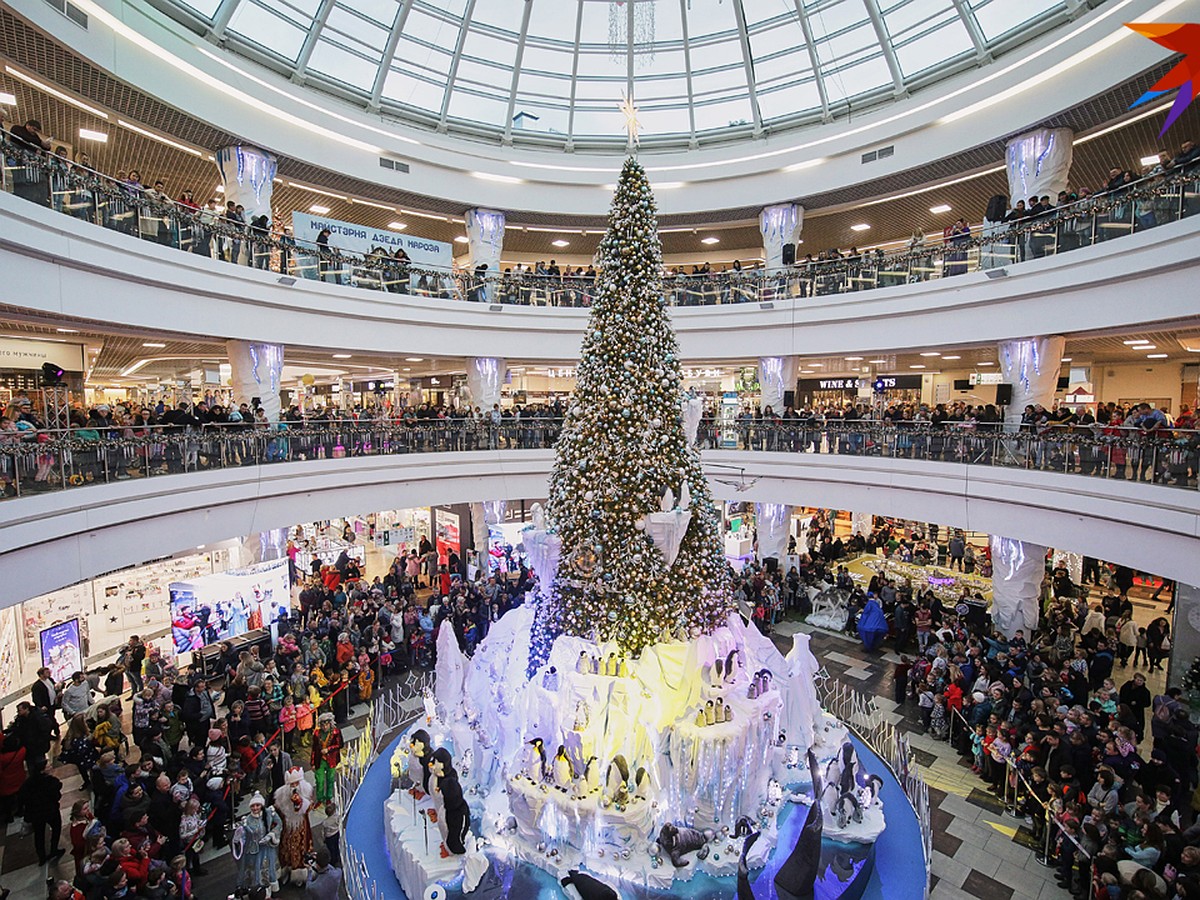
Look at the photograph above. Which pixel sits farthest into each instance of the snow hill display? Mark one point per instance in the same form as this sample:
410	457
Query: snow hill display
626	730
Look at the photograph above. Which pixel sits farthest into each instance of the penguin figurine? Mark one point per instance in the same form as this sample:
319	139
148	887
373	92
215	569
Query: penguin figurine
595	665
535	761
611	666
728	714
700	723
718	673
564	772
623	668
731	665
583	665
591	775
753	690
550	679
719	711
616	784
710	713
641	784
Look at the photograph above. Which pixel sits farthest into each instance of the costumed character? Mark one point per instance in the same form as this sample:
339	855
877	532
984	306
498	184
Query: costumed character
676	841
536	767
255	843
293	801
564	771
455	821
584	886
617	780
326	756
872	624
419	750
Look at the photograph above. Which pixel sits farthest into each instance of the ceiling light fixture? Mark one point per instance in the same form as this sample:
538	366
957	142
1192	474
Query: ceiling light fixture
1066	359
501	179
1156	356
358	202
940	208
710	240
951	357
152	344
88	134
342	355
414	359
878	362
931	353
319	209
861	226
817	365
561	243
138	129
1134	343
398	226
985	363
461	239
853	359
1146	347
54	92
916	367
313	190
67	330
7	99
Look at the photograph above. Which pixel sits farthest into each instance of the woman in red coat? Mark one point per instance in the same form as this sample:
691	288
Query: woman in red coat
12	776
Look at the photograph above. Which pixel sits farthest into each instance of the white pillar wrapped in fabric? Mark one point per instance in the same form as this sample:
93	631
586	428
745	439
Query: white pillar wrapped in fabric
485	377
779	225
773	520
862	523
1039	163
263	546
489	512
255	370
1031	366
248	175
1017	572
485	238
776	375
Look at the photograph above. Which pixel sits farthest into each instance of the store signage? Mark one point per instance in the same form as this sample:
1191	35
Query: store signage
987	378
18	353
891	382
354	238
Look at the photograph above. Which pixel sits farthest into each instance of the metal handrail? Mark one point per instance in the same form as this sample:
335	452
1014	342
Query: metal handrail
34	461
92	196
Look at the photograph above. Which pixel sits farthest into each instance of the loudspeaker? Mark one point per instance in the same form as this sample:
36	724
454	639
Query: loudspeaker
1003	394
771	564
789	399
789	254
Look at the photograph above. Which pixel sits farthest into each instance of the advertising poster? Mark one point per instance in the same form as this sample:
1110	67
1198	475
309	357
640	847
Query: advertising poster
62	652
447	535
350	237
10	665
39	613
218	607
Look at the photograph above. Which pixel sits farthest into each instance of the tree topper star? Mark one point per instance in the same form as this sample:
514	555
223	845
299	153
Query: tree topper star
632	125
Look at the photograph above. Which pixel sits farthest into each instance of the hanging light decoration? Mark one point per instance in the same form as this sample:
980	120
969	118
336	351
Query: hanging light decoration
638	15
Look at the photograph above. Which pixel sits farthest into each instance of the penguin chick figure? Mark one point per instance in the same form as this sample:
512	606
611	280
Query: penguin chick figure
564	772
535	761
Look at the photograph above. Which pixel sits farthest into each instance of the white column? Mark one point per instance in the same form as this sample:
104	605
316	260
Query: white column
489	512
779	225
1039	163
1031	366
862	523
263	546
772	520
776	374
485	237
485	377
255	370
249	176
1017	572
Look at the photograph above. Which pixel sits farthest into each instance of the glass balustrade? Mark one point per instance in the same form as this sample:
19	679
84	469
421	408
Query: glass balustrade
36	462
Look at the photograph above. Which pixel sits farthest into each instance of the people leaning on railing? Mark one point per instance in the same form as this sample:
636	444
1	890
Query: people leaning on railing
126	204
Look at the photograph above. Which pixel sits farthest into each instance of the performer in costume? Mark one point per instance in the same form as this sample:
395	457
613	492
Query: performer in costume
255	843
326	755
419	752
455	819
293	800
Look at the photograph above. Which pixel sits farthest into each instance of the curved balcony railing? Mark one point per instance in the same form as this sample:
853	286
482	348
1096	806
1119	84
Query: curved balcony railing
137	211
34	462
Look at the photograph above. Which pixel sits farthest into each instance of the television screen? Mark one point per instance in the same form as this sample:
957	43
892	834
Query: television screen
218	607
62	652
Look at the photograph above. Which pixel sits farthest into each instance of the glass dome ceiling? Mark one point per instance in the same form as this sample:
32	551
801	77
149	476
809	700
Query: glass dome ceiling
555	71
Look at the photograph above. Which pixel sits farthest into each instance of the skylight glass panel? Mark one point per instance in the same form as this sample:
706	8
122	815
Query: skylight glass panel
765	41
490	50
826	17
474	107
268	29
369	35
852	81
405	85
343	65
599	121
931	48
429	58
785	98
381	11
712	116
903	15
998	17
707	18
425	28
665	119
206	8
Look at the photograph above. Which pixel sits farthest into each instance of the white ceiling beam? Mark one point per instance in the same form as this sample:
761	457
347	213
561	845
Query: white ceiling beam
982	53
389	54
310	40
468	13
885	44
221	18
814	59
574	77
687	65
516	75
748	61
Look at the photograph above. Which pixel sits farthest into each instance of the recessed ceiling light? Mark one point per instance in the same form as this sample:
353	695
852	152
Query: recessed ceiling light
817	365
878	361
414	359
985	363
940	208
319	209
66	331
152	344
1150	160
916	367
861	226
853	359
710	240
342	355
1138	341
89	135
398	226
1156	356
1066	359
931	353
461	239
406	370
560	243
951	357
7	99
1146	347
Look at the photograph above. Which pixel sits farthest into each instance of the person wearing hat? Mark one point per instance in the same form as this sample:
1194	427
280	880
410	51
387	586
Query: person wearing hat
293	800
255	847
326	755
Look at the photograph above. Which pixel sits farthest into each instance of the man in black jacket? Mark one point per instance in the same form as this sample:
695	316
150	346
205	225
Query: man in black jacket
199	707
42	794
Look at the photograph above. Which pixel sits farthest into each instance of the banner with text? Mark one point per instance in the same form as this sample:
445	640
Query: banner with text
350	237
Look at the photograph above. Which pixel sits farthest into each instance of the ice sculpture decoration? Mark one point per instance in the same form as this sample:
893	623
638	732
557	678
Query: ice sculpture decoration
693	411
667	528
1039	163
485	237
485	377
1031	366
773	520
774	375
544	549
1017	571
779	225
255	369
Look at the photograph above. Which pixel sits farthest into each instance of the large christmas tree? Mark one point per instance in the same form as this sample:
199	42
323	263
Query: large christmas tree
622	449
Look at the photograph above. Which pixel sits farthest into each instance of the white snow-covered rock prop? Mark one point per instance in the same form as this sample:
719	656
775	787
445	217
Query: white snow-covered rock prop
667	527
830	610
692	409
544	549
